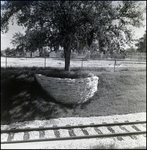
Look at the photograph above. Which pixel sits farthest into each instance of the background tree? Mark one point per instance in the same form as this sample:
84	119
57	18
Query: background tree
13	52
141	44
19	42
74	25
8	51
33	42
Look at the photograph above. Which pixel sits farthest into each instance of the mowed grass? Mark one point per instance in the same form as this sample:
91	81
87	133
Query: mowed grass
22	99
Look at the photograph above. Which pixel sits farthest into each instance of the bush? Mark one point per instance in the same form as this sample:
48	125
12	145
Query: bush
71	74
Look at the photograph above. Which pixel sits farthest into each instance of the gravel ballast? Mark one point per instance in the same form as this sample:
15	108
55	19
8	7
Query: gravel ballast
95	143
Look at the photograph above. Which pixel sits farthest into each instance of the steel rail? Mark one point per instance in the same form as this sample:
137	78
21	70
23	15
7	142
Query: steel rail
76	137
74	126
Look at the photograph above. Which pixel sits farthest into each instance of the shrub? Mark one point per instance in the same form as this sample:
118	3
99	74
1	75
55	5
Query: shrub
71	74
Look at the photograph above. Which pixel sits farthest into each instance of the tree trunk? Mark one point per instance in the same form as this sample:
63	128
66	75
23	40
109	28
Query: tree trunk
100	46
31	54
39	51
67	52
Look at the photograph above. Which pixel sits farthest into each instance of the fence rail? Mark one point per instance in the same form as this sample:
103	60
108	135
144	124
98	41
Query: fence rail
75	62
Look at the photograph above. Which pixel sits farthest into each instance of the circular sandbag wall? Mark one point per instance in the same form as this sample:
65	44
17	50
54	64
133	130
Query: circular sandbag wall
66	90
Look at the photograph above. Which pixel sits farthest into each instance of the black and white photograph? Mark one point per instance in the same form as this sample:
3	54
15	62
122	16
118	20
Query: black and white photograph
73	74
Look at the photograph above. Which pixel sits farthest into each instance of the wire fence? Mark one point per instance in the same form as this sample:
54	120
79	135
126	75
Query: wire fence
76	62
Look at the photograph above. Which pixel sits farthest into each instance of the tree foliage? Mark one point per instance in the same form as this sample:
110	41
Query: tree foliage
8	52
74	25
19	42
35	39
141	44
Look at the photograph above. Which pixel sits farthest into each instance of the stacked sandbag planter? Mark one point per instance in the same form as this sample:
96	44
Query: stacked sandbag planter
68	91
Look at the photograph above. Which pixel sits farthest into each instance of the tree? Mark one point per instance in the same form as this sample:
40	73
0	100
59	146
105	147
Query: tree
141	44
33	42
74	25
19	42
8	51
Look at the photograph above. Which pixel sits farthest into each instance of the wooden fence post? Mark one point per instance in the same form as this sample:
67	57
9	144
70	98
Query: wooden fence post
45	62
6	61
114	64
82	64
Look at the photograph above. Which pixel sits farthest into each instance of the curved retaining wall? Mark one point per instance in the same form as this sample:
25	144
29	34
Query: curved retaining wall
68	91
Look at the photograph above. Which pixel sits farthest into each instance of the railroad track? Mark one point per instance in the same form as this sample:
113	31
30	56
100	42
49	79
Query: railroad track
119	130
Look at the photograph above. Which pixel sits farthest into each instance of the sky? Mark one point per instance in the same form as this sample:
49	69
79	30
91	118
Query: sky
7	37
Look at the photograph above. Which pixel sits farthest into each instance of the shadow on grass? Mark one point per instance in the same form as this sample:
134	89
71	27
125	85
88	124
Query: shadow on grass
24	100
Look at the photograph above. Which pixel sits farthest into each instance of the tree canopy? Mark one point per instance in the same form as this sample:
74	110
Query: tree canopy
18	41
141	44
74	25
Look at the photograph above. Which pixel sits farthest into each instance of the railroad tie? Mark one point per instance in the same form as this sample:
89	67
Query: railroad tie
10	136
85	132
124	129
70	131
97	130
41	133
26	135
56	132
136	128
113	131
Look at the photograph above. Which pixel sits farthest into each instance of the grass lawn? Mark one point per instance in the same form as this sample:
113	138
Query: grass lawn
120	92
